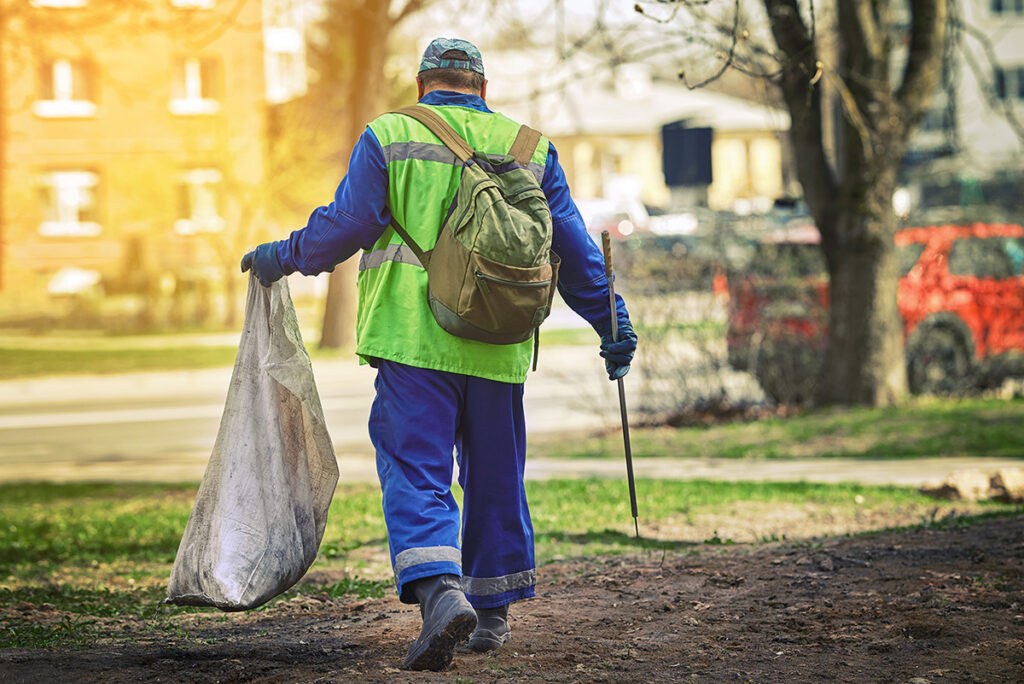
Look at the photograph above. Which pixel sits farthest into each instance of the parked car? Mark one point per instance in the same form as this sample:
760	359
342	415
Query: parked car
620	218
961	296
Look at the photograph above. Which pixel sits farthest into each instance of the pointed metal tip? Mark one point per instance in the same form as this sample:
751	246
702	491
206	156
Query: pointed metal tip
637	526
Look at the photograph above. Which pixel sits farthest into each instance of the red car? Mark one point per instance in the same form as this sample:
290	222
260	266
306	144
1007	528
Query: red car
961	295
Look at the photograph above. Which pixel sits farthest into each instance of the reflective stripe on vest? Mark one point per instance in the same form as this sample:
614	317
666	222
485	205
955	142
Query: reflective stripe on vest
402	151
399	253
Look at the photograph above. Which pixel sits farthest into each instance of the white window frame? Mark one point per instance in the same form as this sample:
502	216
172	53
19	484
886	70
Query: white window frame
59	3
67	186
63	105
193	103
284	53
204	187
194	4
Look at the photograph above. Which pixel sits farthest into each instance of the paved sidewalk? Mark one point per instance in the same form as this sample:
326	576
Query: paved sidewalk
358	466
160	427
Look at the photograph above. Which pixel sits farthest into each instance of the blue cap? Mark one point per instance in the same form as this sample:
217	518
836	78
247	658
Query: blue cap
439	46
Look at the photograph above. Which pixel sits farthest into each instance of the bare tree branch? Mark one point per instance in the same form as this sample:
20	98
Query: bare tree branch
411	7
924	61
866	22
229	20
1003	107
856	117
727	61
803	99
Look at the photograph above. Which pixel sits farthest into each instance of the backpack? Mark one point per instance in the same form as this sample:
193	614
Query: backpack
491	274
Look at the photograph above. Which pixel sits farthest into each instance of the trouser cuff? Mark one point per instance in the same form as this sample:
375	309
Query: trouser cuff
491	592
426	561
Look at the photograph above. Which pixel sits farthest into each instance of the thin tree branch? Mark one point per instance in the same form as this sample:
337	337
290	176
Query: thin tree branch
727	62
411	7
853	111
867	25
927	33
227	21
1005	108
803	99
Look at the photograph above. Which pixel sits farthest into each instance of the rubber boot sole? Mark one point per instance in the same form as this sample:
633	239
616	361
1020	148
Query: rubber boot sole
435	652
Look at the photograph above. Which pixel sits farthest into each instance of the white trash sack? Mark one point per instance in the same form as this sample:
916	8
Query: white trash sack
262	506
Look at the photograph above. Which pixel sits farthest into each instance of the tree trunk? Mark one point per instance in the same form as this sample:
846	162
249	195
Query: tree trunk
339	325
370	28
864	357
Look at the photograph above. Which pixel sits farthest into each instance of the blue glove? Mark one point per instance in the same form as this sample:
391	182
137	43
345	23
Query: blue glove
264	264
618	355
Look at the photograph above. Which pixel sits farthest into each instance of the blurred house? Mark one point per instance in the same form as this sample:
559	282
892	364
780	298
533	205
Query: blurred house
967	148
608	130
134	141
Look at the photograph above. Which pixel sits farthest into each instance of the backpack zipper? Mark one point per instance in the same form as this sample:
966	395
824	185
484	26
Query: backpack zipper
482	279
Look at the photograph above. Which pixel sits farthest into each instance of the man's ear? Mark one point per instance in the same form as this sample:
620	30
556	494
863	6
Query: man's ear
419	88
483	90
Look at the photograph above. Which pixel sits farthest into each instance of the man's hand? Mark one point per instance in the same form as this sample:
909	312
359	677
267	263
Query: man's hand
264	264
618	355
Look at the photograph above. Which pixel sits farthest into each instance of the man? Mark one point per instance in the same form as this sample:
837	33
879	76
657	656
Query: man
437	392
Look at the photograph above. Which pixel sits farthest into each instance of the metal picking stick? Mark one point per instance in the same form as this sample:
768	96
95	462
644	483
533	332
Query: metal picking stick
606	244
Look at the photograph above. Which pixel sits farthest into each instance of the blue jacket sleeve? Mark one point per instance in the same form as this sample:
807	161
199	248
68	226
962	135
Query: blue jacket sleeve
354	220
582	282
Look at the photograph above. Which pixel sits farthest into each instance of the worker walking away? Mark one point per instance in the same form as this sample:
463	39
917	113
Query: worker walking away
450	376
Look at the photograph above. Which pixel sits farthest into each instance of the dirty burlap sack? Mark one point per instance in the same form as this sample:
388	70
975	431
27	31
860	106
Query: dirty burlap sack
262	506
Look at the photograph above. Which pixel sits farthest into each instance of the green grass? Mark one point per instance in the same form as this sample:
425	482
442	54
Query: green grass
925	427
94	354
131	531
22	363
83	555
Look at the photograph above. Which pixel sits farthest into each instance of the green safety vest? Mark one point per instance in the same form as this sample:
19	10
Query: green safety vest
394	319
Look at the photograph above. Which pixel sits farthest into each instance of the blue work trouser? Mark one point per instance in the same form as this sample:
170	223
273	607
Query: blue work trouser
418	417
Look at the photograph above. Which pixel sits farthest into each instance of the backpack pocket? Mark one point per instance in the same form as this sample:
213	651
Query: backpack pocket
506	300
478	298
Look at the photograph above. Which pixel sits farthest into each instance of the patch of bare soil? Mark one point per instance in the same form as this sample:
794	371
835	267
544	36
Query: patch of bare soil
925	605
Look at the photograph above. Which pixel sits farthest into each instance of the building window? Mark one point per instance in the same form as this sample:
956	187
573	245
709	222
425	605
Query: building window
65	90
59	3
193	4
196	87
285	63
68	200
199	203
1008	82
1008	7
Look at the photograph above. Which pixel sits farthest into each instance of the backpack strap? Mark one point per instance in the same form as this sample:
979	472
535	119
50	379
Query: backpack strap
413	245
452	140
522	151
524	145
439	127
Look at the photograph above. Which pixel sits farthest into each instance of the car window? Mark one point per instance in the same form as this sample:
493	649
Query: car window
907	255
1015	251
981	257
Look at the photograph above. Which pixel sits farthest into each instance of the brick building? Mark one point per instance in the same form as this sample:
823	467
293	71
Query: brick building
134	143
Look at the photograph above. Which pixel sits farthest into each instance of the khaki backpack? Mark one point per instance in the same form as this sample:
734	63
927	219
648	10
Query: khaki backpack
491	274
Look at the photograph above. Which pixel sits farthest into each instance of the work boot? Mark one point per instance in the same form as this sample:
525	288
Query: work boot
448	619
491	631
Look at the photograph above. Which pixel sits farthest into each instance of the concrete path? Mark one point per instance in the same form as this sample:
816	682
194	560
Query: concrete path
360	468
161	427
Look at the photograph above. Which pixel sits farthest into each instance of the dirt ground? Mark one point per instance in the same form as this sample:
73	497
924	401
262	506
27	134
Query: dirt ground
925	605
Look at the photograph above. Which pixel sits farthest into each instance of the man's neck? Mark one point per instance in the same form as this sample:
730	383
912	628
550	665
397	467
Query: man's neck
452	89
